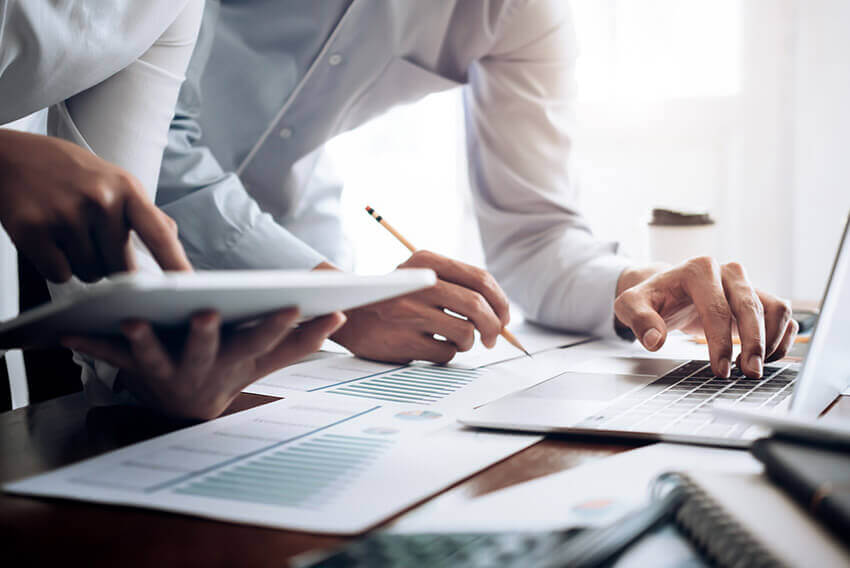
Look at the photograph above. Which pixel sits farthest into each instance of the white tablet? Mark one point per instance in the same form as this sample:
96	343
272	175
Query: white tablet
170	299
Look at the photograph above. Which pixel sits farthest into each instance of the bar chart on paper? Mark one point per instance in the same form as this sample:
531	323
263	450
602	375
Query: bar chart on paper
311	462
349	376
415	384
306	475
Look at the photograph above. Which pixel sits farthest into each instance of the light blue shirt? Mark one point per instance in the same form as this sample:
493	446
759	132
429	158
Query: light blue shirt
245	176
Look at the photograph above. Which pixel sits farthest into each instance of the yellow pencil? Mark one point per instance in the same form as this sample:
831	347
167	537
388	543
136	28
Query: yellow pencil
505	333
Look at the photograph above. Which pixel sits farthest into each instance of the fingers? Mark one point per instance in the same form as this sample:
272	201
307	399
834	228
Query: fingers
436	351
201	347
113	240
467	276
791	329
113	351
47	258
747	308
306	339
458	331
467	303
634	309
703	283
777	315
158	231
150	355
77	243
255	341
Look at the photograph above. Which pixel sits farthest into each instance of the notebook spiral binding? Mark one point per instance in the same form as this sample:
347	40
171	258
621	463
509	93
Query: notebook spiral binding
717	535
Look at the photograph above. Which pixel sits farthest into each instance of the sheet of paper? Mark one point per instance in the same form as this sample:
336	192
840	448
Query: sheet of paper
314	462
416	385
535	338
592	494
462	381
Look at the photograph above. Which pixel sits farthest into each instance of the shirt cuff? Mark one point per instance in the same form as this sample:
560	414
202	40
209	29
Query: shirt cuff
267	245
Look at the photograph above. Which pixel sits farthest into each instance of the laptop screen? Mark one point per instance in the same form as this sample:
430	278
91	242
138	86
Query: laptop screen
826	369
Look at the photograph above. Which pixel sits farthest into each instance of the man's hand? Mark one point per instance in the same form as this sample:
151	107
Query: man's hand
701	296
71	212
402	329
199	376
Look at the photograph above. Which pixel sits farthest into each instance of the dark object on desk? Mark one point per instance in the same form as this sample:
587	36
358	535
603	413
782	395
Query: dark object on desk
5	390
576	548
51	372
817	477
806	319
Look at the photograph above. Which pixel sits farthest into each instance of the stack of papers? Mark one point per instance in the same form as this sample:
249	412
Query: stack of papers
314	463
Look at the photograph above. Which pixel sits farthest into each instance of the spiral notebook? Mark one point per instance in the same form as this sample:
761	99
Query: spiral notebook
743	520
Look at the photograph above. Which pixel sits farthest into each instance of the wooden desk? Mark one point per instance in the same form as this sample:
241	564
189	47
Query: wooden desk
48	435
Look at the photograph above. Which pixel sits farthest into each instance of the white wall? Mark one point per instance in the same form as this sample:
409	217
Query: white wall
821	198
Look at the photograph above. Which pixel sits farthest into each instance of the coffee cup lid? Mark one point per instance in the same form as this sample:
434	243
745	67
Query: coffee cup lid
670	218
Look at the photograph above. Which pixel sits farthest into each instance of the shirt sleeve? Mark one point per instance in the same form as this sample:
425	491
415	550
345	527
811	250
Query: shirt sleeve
519	117
124	119
221	225
50	51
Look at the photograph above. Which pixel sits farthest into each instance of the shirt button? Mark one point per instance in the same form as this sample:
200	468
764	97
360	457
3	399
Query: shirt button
285	133
335	59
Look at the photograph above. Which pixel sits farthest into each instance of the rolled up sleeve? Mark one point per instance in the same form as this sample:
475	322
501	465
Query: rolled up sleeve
520	116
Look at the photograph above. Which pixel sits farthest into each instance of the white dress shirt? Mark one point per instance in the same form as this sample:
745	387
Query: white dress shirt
245	177
112	72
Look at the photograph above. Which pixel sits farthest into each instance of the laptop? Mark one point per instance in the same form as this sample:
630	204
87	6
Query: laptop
672	399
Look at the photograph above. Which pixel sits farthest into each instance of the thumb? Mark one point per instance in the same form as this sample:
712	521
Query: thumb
634	310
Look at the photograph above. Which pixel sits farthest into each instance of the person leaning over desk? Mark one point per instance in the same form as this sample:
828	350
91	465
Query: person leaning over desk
246	176
111	75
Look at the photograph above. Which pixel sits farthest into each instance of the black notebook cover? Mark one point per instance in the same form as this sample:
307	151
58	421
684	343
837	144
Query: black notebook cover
817	477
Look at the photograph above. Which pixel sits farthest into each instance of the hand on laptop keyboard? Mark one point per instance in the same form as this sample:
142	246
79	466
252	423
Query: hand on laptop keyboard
702	296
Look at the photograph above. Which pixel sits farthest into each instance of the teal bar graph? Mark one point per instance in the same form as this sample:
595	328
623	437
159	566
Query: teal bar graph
306	474
415	384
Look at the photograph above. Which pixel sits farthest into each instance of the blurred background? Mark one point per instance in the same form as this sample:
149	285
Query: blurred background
740	108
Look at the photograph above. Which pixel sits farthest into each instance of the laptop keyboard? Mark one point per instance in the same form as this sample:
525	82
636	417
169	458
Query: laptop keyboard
680	401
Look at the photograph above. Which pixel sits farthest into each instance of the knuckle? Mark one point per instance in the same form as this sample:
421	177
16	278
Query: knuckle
795	327
701	265
101	194
127	182
479	310
445	355
466	336
783	309
735	269
422	258
626	299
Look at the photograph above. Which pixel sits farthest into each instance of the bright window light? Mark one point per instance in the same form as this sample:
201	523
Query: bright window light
657	49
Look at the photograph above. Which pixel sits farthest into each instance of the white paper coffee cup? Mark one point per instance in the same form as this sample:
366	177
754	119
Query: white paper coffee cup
676	236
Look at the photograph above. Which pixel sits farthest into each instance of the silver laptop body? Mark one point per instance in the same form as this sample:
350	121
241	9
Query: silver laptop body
671	400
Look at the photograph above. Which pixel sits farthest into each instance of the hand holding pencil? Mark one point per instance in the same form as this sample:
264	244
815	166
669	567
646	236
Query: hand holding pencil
507	335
